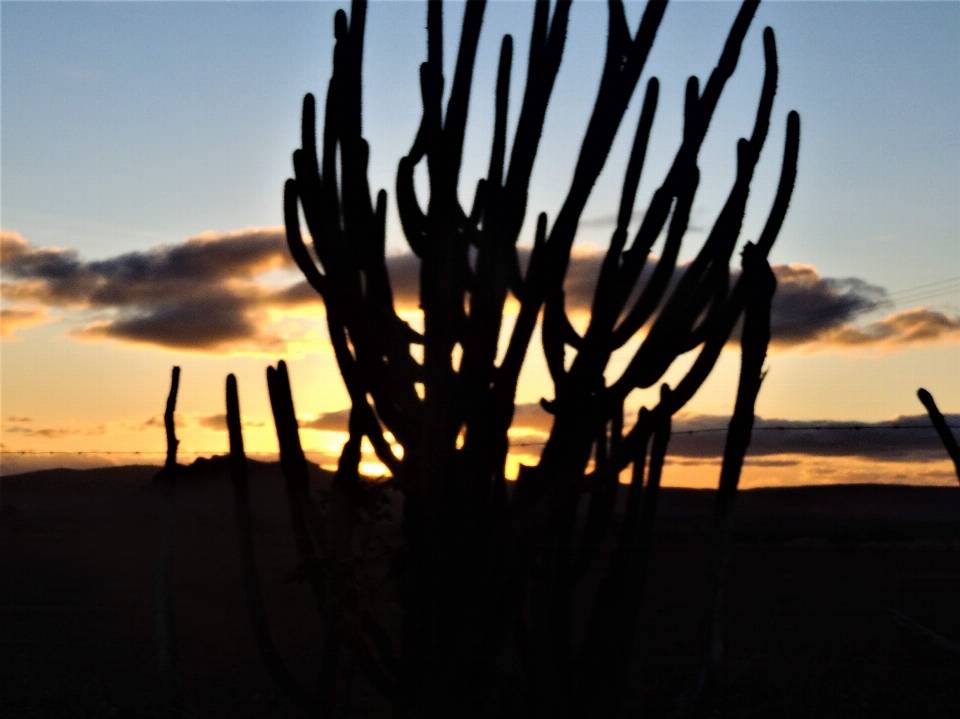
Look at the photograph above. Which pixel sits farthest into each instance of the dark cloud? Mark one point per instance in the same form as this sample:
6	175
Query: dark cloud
42	267
19	418
699	439
819	311
917	441
808	310
338	421
213	321
207	294
219	422
404	273
752	462
806	305
214	421
579	285
201	294
58	276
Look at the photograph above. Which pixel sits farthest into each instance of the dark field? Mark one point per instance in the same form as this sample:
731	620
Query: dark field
813	575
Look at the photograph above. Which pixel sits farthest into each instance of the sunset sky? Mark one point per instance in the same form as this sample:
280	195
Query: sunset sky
145	146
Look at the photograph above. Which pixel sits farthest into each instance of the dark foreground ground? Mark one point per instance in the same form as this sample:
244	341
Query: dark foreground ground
814	573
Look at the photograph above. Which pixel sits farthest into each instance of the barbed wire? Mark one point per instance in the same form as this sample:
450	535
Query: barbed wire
779	428
817	428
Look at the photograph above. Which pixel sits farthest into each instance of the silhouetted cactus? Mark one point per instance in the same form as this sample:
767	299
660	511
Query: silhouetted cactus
940	424
251	582
761	284
486	574
163	571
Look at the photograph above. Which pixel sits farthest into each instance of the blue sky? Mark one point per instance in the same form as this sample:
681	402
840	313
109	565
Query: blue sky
126	125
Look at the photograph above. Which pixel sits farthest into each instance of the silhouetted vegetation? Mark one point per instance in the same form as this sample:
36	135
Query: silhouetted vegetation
490	580
940	424
163	599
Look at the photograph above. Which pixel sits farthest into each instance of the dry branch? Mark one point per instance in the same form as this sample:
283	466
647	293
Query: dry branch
163	595
940	424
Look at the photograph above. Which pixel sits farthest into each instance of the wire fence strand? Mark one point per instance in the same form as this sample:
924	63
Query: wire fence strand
540	443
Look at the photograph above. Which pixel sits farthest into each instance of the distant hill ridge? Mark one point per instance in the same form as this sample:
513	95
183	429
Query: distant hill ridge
865	501
105	478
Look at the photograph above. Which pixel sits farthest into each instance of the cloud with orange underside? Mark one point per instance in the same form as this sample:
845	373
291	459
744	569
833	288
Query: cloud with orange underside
17	318
212	294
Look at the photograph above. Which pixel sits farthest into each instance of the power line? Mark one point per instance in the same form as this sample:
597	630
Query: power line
850	305
924	286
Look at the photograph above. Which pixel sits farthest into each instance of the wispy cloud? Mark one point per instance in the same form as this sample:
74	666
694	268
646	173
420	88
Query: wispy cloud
918	326
157	421
338	421
15	318
57	432
219	422
208	421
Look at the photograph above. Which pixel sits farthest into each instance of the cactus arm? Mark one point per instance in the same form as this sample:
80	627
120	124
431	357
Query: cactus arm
603	655
609	108
258	615
940	424
345	358
735	301
760	286
706	276
502	97
654	290
455	120
788	178
546	51
294	466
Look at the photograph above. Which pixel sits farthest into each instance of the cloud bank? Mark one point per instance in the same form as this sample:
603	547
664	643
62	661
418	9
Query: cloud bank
700	437
905	438
211	294
202	294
